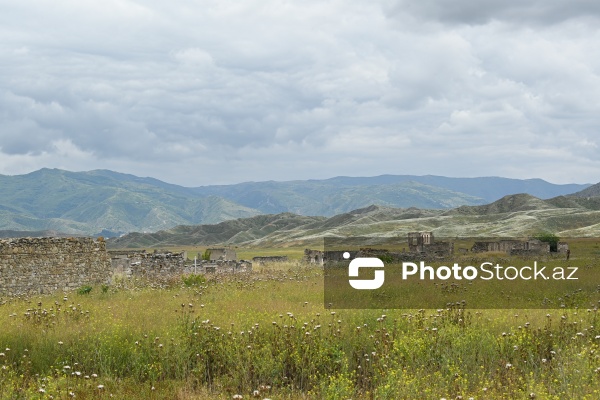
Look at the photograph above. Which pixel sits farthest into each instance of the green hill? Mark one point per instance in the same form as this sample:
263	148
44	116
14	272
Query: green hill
516	215
90	203
108	203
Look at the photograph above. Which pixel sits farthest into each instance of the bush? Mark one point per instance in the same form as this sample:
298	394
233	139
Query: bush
549	238
86	289
193	279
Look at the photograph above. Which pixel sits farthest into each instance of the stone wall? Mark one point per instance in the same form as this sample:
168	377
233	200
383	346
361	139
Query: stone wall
149	265
167	264
264	260
46	265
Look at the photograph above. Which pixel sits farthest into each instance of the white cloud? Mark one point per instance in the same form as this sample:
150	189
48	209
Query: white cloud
260	90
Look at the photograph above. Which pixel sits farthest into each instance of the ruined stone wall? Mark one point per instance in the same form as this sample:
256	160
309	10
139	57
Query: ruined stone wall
149	265
164	265
262	260
46	265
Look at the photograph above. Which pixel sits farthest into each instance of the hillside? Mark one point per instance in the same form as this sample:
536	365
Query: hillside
592	191
515	215
341	194
108	203
89	203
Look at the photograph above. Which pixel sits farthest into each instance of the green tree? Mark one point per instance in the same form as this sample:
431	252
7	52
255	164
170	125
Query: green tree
549	238
206	255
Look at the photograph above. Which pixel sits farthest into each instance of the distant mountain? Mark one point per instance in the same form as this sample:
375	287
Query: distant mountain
330	197
341	194
108	203
513	215
104	202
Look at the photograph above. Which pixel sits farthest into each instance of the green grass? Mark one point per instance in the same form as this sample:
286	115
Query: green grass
269	332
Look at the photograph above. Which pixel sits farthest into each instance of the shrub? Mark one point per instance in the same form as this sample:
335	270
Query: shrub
193	279
86	289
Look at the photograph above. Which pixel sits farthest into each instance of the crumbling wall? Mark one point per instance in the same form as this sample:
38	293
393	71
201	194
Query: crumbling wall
46	265
263	260
167	264
313	256
224	254
512	247
149	264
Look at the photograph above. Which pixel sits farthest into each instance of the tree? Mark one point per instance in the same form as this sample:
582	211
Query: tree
206	255
549	238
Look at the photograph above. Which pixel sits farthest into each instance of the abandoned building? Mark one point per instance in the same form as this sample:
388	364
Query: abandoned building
313	256
223	254
517	247
418	241
424	243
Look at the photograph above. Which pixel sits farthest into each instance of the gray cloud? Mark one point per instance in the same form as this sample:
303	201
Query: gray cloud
539	12
259	90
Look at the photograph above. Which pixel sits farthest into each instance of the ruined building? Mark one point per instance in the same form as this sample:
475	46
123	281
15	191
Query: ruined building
46	265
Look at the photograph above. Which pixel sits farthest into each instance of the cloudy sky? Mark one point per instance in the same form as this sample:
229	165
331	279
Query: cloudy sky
212	91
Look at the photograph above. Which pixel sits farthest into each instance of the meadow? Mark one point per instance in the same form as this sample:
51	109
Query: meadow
267	334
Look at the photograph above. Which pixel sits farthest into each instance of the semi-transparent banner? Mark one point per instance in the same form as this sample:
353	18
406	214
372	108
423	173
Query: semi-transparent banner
423	271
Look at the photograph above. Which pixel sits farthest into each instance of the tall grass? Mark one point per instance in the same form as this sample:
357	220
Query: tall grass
267	335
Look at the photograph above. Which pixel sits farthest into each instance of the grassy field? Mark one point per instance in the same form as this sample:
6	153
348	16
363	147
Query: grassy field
268	335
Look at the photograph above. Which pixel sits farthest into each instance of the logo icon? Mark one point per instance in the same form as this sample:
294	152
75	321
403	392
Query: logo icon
365	262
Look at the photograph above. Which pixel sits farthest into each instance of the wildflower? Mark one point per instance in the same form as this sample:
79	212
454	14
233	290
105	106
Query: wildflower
237	396
508	366
41	390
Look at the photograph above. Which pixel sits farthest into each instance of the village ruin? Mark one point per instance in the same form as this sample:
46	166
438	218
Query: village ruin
424	245
47	265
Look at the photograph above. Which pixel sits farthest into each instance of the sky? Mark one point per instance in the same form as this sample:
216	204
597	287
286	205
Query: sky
220	92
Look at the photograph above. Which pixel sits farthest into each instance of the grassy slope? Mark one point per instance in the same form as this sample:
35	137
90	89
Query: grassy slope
516	215
87	203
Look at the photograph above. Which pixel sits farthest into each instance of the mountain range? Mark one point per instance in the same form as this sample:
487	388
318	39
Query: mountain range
108	203
511	216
